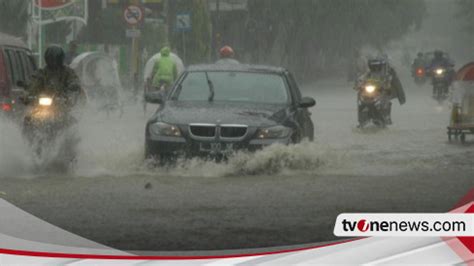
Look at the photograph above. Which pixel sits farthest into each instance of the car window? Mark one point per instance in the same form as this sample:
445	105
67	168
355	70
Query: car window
22	66
296	91
9	65
233	86
27	65
16	73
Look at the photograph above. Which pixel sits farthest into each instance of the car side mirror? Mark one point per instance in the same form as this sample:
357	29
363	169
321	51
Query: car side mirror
154	97
307	102
21	84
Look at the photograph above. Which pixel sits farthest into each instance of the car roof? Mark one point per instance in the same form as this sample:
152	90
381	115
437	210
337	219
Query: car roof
9	40
236	68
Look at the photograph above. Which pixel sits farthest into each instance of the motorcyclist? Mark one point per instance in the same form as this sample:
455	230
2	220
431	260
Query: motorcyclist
56	78
165	71
226	55
418	62
440	60
379	69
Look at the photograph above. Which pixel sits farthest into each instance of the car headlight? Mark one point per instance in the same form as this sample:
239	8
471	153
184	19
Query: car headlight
439	71
45	101
163	129
276	132
370	88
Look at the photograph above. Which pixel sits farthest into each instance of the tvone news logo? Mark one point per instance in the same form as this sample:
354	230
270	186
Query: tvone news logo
404	224
350	226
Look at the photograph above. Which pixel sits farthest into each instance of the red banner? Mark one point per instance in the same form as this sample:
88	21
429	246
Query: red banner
51	3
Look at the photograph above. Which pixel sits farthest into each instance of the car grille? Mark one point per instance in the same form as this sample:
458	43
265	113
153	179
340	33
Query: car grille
233	131
206	131
228	131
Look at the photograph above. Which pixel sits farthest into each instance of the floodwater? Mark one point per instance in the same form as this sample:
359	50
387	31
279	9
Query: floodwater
114	146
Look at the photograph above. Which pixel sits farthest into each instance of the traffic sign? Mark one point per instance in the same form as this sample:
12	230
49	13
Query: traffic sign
133	14
183	21
133	33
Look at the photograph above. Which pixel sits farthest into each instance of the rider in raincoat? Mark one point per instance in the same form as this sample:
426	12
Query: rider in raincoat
56	77
165	70
381	71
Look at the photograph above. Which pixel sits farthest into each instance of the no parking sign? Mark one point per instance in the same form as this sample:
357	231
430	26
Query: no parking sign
133	14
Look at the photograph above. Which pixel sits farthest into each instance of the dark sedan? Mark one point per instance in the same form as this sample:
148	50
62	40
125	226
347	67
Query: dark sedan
215	110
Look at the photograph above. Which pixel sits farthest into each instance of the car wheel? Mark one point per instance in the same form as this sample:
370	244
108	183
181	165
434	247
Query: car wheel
149	154
296	138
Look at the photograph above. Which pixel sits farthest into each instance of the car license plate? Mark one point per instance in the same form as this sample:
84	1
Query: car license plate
216	147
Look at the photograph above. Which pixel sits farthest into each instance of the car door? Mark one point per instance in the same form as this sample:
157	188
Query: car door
303	116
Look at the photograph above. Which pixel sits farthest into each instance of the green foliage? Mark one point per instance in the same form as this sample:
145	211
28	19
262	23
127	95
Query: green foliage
309	33
197	41
56	32
154	37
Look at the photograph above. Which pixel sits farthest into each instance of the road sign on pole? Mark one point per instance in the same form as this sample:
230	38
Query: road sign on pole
183	22
133	15
132	33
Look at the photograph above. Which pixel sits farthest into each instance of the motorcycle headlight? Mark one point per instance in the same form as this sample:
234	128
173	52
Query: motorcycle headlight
439	71
276	132
163	129
45	101
370	88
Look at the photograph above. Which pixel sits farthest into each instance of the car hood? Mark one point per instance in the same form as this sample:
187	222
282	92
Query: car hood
222	113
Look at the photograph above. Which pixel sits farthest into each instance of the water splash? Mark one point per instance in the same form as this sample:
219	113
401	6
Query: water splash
15	156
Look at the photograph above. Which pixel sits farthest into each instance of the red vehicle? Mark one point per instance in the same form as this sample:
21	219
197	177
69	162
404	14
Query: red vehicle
16	67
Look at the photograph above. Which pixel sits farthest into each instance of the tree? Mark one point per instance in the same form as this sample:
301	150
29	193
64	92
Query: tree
195	43
311	36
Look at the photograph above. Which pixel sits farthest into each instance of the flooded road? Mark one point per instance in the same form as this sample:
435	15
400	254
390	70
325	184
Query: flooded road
278	196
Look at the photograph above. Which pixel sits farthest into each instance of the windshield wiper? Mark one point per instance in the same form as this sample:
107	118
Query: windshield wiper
211	88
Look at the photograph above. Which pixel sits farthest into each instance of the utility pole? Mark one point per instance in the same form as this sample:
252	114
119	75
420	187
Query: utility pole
217	30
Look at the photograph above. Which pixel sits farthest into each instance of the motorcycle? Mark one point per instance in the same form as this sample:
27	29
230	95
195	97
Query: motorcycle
419	76
441	81
373	105
149	90
47	126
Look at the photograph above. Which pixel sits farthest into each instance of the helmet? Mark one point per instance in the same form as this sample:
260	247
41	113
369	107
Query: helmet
165	51
376	65
54	57
438	54
226	52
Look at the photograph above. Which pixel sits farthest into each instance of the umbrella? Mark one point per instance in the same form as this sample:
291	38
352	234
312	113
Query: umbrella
466	73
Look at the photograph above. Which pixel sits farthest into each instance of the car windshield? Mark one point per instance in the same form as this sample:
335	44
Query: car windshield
233	86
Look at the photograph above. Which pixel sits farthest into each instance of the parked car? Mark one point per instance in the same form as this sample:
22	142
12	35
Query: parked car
215	110
16	67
